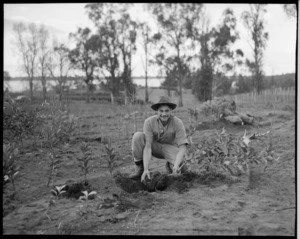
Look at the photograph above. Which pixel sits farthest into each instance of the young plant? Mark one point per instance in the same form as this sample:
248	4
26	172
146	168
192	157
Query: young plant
110	158
87	195
84	161
53	165
224	152
60	124
10	167
57	191
20	121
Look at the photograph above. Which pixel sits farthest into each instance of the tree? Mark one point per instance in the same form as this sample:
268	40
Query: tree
27	42
173	20
216	55
60	66
254	23
128	30
86	55
6	78
117	32
146	40
290	10
44	56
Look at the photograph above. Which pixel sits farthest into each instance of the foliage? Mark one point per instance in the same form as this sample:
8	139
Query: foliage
44	58
174	22
60	124
60	63
290	10
202	86
10	167
254	23
6	76
216	54
19	122
110	158
117	34
87	195
86	56
228	153
147	43
27	46
53	165
57	191
84	161
217	107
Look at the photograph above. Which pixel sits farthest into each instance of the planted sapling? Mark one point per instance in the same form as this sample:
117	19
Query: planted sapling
110	157
53	165
57	191
84	161
10	167
87	195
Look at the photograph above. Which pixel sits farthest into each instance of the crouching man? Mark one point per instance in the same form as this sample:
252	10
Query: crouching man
164	137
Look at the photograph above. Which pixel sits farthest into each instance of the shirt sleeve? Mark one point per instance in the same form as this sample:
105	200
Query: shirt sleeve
148	131
180	133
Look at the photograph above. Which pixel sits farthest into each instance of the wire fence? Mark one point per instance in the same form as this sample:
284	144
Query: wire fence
270	95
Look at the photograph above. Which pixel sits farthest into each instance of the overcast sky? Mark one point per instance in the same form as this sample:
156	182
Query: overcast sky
61	19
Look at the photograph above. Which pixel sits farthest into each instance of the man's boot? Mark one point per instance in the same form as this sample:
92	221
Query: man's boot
139	169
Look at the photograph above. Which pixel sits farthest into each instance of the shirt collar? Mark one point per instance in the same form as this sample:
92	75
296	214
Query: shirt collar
170	119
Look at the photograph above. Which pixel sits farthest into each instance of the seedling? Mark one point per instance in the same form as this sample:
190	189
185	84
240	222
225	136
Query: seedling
58	190
53	165
110	157
10	167
84	161
227	152
87	195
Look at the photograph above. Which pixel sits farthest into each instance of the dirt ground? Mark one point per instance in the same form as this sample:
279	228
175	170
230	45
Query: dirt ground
200	205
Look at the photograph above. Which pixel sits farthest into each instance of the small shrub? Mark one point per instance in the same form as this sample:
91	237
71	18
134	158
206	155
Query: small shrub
57	191
10	167
225	152
217	107
110	158
19	122
84	161
53	165
88	195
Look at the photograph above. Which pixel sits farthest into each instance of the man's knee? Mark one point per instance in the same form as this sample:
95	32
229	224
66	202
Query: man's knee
138	136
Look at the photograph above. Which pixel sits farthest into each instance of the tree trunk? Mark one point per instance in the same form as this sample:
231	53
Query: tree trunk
44	93
112	97
87	93
180	104
31	89
146	87
44	88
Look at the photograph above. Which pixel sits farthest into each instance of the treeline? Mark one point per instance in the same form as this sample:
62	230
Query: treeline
238	84
184	47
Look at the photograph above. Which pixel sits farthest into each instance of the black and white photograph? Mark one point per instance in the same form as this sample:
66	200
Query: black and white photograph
151	118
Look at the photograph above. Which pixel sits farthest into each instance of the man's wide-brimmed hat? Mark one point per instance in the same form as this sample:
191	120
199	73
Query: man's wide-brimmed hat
163	101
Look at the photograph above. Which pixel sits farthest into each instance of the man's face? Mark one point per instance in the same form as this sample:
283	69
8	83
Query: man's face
164	112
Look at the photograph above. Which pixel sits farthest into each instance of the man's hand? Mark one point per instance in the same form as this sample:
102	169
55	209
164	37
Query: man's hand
175	169
145	173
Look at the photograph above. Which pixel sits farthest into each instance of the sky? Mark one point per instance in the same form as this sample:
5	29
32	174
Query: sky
61	19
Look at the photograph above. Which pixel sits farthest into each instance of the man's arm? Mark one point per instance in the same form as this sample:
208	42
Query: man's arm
179	157
147	152
146	160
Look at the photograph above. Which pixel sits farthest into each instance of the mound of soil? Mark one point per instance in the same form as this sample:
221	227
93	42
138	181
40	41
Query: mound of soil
74	190
158	181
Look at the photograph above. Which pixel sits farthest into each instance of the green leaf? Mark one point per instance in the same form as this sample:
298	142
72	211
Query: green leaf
92	193
54	192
